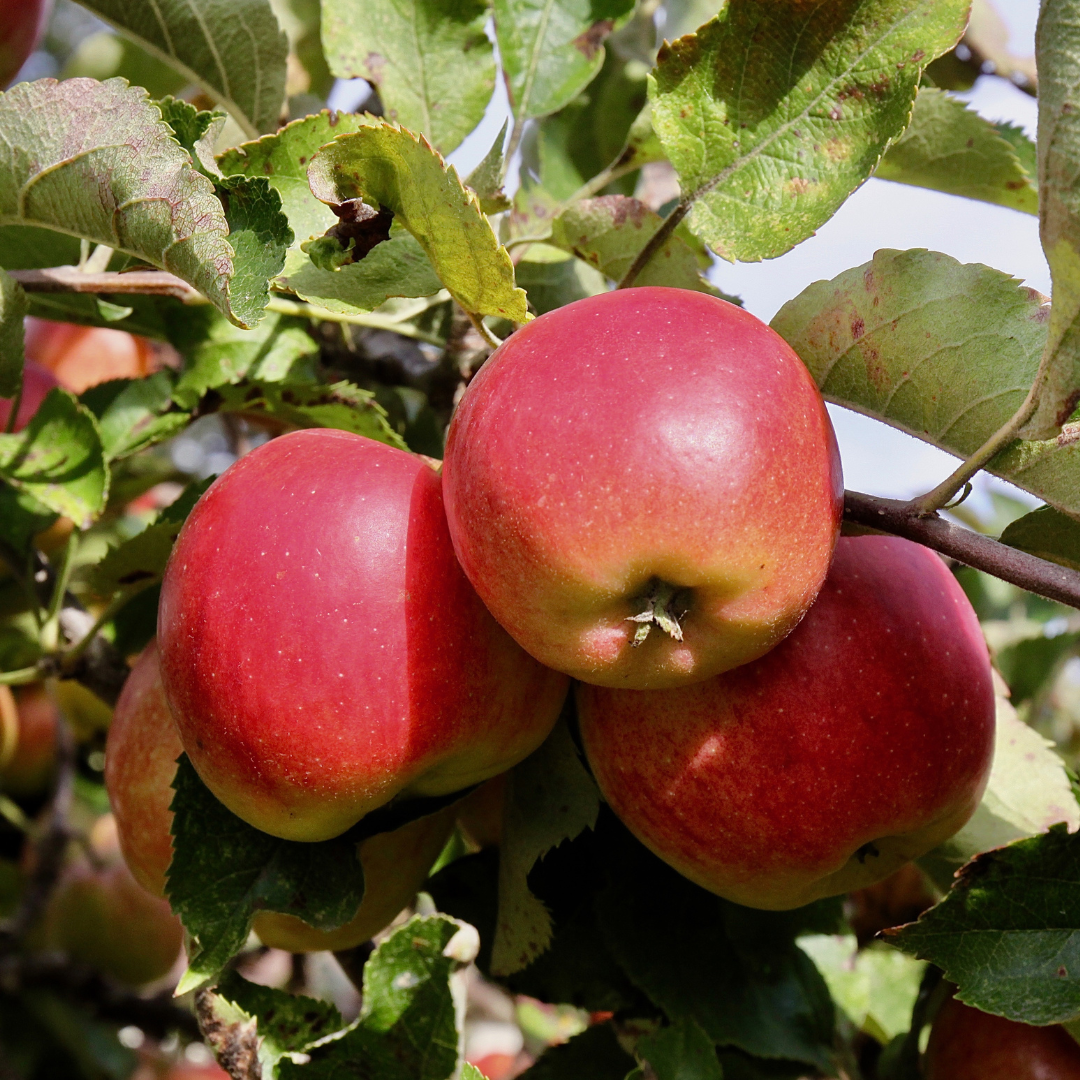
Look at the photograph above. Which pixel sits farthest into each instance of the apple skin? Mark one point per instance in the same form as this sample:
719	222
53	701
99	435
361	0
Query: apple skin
140	763
100	915
872	724
29	769
24	23
321	650
966	1044
37	382
640	436
83	356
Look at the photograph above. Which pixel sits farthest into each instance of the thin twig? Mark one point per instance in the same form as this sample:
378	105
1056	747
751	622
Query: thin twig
368	319
972	549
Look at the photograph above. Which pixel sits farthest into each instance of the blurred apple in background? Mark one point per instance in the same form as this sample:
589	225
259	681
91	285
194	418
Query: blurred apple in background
37	382
100	915
22	23
29	767
83	356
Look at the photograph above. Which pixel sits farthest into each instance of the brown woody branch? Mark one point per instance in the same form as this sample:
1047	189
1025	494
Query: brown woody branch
970	548
68	279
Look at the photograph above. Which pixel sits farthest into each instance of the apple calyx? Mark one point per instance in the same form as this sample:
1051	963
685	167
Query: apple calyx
659	611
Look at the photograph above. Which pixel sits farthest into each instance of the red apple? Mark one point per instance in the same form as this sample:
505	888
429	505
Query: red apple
100	915
83	356
140	763
37	382
23	24
29	769
859	743
966	1044
645	450
321	650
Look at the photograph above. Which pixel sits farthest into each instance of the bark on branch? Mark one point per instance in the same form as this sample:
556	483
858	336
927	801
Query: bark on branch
972	549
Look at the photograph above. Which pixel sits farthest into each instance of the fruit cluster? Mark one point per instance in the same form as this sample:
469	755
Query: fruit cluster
642	493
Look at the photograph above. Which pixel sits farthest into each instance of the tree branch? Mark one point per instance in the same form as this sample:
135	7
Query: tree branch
66	279
972	549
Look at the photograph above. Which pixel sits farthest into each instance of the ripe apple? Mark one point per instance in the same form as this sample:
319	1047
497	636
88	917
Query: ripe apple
321	650
859	743
83	356
37	382
29	769
100	915
140	763
24	23
652	453
966	1044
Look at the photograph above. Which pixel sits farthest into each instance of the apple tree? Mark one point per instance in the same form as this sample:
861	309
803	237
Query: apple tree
283	267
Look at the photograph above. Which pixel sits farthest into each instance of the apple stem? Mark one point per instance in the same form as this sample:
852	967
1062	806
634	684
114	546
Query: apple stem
657	613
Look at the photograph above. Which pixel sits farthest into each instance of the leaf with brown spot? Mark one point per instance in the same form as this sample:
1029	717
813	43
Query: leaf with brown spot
747	104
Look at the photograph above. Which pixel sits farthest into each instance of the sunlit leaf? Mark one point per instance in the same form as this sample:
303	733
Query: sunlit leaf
774	112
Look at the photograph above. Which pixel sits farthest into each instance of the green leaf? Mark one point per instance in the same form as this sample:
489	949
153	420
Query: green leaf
137	563
13	309
136	416
58	460
549	798
1028	792
106	55
552	49
260	235
306	405
430	60
407	1026
286	1024
681	1051
552	279
1008	933
595	1054
1057	51
949	147
96	160
735	971
217	353
196	130
1048	533
22	517
487	178
1028	664
875	987
389	167
943	350
777	110
223	871
233	49
396	267
282	158
609	231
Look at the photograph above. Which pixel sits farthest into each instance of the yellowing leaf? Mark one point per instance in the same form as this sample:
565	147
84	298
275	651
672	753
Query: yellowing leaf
390	167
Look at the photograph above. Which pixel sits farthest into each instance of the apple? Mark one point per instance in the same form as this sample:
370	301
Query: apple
321	650
100	915
28	770
37	382
140	763
647	454
966	1044
858	744
83	356
24	23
